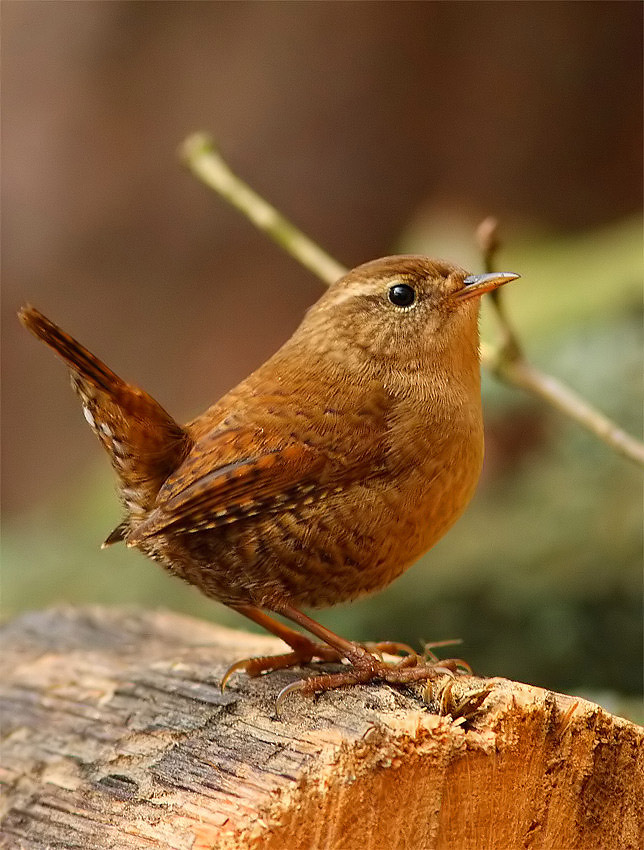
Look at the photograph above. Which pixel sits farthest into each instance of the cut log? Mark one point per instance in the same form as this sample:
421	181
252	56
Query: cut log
116	735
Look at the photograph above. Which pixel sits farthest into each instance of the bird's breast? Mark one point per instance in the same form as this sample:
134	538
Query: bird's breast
434	467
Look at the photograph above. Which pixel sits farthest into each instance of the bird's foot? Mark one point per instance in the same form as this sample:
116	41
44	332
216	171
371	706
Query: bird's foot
365	668
269	663
306	651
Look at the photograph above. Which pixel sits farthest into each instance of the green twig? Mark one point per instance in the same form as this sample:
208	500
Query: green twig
520	373
199	153
487	236
507	361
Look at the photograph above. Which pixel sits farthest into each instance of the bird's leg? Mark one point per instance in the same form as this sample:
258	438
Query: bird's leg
365	667
304	649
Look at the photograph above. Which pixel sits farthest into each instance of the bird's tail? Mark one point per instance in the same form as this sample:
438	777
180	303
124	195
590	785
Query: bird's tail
144	443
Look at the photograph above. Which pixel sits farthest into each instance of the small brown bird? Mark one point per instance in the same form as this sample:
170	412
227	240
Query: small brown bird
322	476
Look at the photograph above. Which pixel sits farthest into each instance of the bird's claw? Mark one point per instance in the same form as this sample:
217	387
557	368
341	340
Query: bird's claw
238	665
299	685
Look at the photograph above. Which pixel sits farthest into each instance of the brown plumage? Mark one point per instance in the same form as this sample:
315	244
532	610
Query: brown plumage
324	474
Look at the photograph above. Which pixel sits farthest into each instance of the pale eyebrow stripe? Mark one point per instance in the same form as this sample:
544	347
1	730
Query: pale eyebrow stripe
365	288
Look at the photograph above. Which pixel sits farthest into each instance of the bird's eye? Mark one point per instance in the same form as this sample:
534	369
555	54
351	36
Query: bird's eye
402	294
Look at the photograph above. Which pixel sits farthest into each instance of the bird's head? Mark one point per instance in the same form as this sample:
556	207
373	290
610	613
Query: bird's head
402	313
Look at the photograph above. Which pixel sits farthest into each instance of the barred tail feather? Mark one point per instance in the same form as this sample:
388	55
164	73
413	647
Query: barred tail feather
144	442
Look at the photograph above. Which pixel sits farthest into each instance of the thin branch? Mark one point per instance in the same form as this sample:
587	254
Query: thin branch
508	362
199	154
522	374
487	236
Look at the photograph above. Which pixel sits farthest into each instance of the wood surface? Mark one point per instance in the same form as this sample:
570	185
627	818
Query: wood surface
116	735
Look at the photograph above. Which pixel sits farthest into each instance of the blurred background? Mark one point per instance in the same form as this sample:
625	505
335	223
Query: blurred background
378	128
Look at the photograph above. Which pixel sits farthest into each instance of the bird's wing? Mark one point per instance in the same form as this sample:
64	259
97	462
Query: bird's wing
233	474
258	466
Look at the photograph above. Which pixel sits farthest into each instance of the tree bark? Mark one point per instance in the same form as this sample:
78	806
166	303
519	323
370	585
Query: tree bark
116	735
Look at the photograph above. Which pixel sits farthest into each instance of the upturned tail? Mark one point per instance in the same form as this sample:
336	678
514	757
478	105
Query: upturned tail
144	442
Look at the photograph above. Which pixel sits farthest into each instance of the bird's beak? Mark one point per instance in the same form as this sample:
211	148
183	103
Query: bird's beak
477	284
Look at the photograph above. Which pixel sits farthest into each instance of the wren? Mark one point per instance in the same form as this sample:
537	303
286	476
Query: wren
323	475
